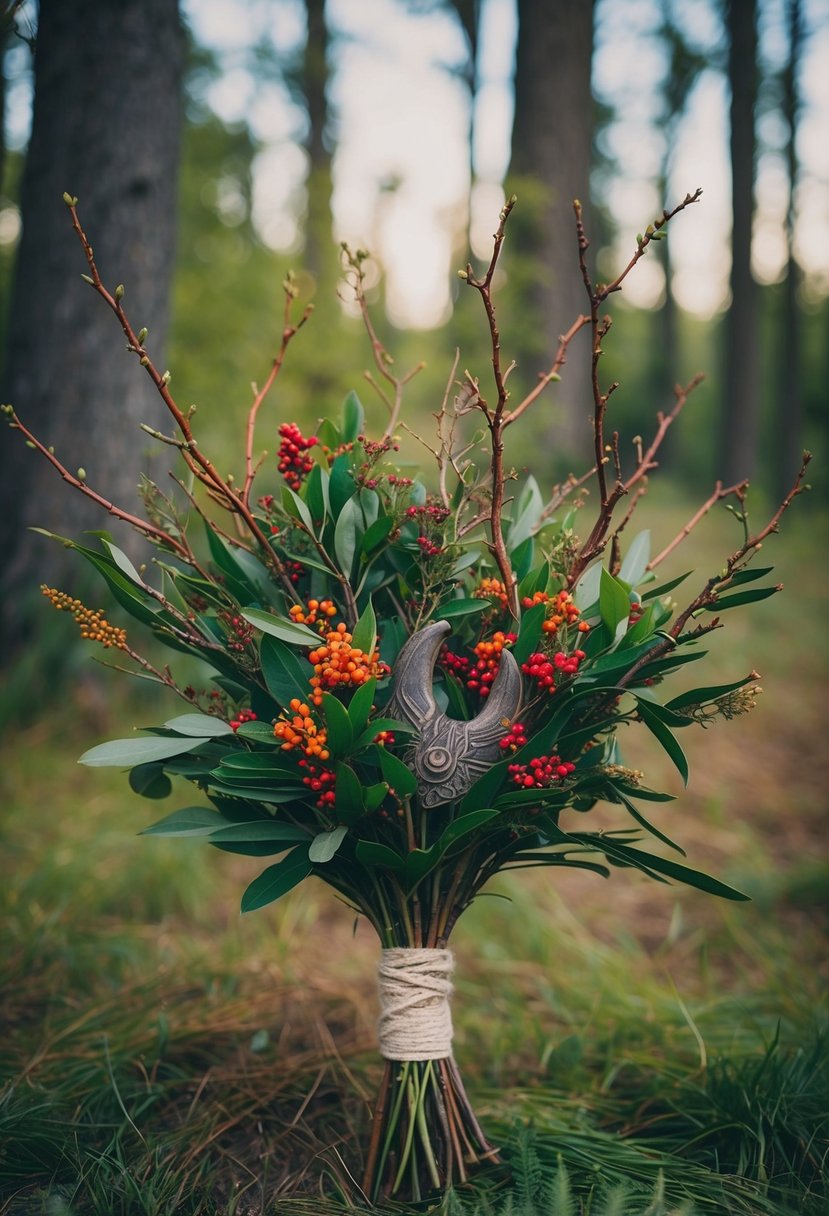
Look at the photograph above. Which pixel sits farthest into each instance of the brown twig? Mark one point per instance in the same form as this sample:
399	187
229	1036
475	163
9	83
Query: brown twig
289	332
719	493
199	464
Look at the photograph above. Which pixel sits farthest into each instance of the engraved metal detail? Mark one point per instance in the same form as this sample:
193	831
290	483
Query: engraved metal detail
449	756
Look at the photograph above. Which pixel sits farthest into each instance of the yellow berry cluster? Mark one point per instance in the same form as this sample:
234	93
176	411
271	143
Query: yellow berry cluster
313	612
93	624
338	664
300	730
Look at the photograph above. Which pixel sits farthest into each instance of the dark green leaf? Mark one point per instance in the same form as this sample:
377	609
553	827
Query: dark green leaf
373	795
376	533
341	484
749	576
664	588
316	495
699	696
260	830
150	781
724	602
338	724
451	609
399	776
285	674
364	635
529	632
296	508
349	794
378	856
353	418
614	604
663	734
277	880
672	869
189	821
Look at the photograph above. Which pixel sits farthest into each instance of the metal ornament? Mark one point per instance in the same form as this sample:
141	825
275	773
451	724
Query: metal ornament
448	755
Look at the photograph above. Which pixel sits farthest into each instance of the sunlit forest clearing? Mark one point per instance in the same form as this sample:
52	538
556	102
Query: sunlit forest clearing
630	1046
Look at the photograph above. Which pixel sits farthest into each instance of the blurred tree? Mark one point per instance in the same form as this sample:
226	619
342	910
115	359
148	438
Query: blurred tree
549	167
739	426
105	127
788	400
315	72
684	63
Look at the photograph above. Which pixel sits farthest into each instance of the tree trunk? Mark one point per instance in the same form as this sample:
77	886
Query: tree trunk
741	406
550	166
787	446
319	246
106	127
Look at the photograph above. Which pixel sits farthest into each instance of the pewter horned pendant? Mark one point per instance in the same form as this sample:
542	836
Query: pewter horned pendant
449	756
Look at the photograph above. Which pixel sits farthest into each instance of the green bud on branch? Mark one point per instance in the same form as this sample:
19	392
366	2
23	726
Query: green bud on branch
81	474
71	200
145	362
119	292
88	280
142	336
166	378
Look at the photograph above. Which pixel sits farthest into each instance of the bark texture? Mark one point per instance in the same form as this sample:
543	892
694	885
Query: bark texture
550	166
106	127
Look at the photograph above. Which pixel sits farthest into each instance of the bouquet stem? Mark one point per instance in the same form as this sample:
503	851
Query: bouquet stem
425	1136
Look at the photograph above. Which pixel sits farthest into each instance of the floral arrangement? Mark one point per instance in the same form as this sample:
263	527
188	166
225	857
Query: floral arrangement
413	680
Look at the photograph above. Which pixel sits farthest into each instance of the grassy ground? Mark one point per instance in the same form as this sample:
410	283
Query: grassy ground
631	1046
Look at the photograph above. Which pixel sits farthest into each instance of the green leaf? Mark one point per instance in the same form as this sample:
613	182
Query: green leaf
202	726
361	705
150	781
749	576
281	627
125	753
353	418
636	559
645	823
325	845
262	830
257	732
378	856
451	609
364	636
189	821
483	792
399	776
286	676
341	484
586	590
296	508
376	533
699	696
664	588
724	602
338	724
373	795
462	826
663	734
349	793
529	632
123	563
527	514
277	880
374	727
672	869
316	495
614	605
348	534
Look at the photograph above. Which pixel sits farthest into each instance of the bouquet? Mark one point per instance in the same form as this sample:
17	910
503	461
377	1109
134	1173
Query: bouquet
414	684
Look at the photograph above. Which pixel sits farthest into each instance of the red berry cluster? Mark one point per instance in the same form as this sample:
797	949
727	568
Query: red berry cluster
429	511
543	670
294	463
385	738
636	611
458	664
541	772
239	632
244	715
482	676
515	737
429	548
321	781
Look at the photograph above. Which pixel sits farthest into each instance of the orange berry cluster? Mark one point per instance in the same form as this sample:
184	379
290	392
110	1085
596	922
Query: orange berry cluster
338	664
491	589
299	730
561	611
93	624
482	676
310	613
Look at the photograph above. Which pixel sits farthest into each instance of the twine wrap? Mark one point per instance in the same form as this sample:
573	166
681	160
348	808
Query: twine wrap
415	1017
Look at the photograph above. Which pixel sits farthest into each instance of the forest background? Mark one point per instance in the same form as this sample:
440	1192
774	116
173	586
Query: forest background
215	146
